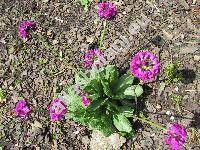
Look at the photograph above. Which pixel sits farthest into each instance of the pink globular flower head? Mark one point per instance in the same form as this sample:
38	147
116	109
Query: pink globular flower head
25	27
145	65
176	136
107	10
93	57
57	109
21	109
85	100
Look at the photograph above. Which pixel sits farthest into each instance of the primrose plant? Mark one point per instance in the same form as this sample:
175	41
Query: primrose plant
102	100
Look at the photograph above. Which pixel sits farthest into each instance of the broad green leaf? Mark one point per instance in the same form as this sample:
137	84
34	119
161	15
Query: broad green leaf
94	73
123	82
138	90
135	90
129	92
75	104
82	78
111	73
106	88
126	110
97	120
94	88
94	105
122	123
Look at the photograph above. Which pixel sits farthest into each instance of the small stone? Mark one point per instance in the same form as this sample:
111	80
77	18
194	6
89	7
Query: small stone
45	1
196	57
76	132
176	88
85	140
158	106
55	42
100	142
150	108
162	87
168	113
36	124
70	41
49	32
185	97
172	118
90	39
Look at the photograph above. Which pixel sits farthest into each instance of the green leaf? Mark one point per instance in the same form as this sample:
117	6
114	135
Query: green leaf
123	82
129	92
122	123
111	73
126	110
94	105
106	88
135	90
94	88
138	90
97	120
82	78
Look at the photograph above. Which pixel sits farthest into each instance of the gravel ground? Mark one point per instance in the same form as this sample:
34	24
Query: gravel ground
41	67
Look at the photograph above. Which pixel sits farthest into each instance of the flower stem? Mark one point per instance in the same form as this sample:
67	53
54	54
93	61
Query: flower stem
150	122
40	110
102	37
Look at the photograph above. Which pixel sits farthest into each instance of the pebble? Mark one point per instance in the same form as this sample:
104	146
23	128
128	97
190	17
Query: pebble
85	140
172	118
176	88
55	42
49	32
158	106
90	39
196	57
168	113
161	88
185	97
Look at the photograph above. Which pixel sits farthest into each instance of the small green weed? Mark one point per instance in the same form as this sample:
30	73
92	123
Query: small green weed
85	3
42	61
2	95
177	99
172	73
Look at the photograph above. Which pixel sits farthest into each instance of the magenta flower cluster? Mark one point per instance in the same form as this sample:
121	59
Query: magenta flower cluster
57	109
145	65
85	100
176	136
107	10
25	27
93	57
21	109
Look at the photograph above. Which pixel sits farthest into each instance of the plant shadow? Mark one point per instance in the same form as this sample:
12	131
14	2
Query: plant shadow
196	121
158	41
188	76
140	106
